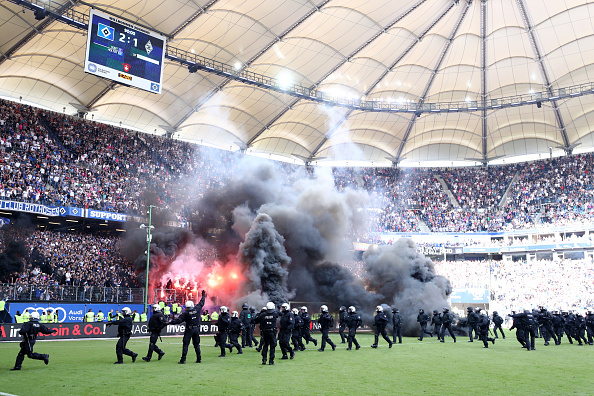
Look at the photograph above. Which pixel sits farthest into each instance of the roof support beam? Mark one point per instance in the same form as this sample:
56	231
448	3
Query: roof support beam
432	78
252	60
543	71
484	75
384	74
37	29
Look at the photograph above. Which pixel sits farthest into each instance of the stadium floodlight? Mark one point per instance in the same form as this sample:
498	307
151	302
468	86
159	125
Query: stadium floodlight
148	252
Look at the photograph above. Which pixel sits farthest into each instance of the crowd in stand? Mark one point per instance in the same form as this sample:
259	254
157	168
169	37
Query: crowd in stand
558	284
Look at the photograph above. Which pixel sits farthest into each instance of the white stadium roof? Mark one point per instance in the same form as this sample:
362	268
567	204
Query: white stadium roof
405	54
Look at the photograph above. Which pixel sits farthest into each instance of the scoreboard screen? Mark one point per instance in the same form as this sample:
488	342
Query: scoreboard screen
124	52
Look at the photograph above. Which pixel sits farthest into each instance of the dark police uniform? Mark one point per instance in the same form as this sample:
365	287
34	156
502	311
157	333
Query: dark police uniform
235	329
590	327
246	319
253	340
580	329
473	319
423	318
156	323
396	326
353	320
296	334
124	331
558	326
29	331
569	326
483	325
498	321
306	324
287	323
518	324
326	321
380	322
546	322
436	321
267	321
446	324
192	320
223	325
342	324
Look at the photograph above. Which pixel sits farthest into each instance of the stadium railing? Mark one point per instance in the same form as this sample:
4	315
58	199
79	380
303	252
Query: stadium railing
28	292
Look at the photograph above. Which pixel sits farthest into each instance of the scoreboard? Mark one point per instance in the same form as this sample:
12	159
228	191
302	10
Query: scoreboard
124	52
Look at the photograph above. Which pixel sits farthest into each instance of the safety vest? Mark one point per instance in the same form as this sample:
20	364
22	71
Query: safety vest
174	307
100	317
89	317
2	305
43	318
162	304
26	317
18	318
136	317
167	310
110	316
54	317
119	316
214	316
143	317
204	318
179	309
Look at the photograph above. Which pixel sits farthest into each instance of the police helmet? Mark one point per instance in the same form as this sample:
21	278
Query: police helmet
495	313
252	309
342	308
285	306
478	309
34	315
244	306
126	311
304	308
435	312
189	304
295	311
469	309
421	311
270	305
352	309
156	308
379	308
395	310
263	309
224	309
324	308
235	314
446	309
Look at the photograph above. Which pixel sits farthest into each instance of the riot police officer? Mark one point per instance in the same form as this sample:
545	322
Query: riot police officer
396	326
483	326
253	340
326	322
223	325
558	325
246	319
472	322
267	321
580	329
29	331
235	328
342	323
192	319
380	322
297	330
436	321
446	324
287	322
546	323
124	332
590	326
353	320
155	325
498	321
306	325
423	318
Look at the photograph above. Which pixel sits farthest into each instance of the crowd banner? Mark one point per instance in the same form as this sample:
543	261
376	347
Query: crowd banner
62	331
30	208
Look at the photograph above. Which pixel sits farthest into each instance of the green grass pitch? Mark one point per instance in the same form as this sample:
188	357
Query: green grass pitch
412	368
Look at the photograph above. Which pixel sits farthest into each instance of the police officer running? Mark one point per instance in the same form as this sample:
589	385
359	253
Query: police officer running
223	325
472	322
353	320
306	324
297	330
267	321
423	319
235	328
124	332
326	322
380	326
498	321
157	322
191	317
342	323
29	331
446	324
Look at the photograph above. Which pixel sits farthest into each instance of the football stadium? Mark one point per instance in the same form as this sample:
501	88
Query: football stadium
292	196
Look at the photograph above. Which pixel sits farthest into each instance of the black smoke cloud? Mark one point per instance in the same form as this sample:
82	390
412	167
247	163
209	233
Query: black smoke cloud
290	232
